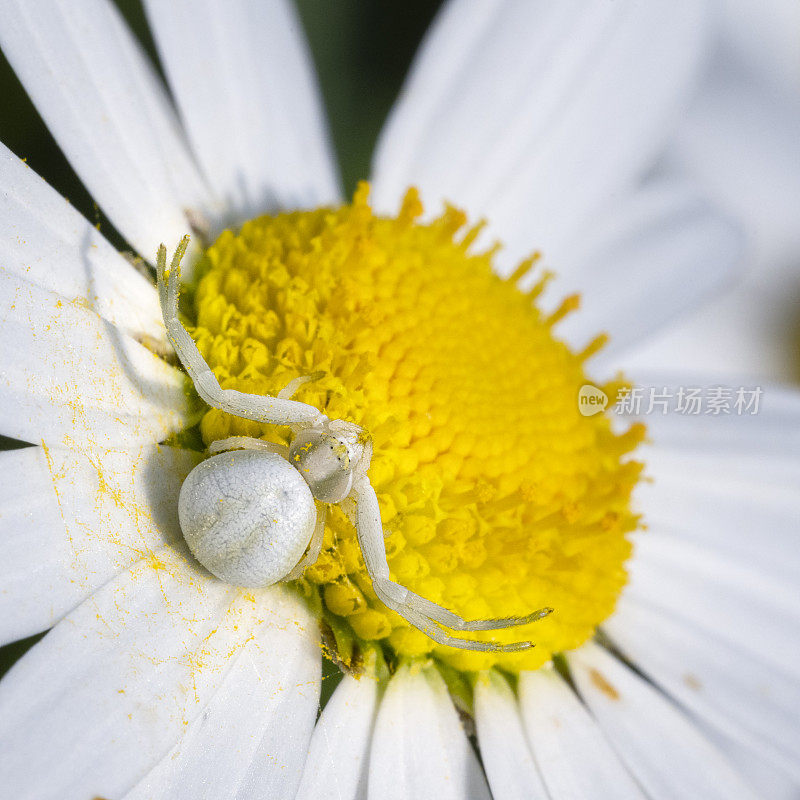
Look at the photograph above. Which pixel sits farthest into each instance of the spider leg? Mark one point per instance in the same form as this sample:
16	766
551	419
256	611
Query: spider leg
260	408
247	443
291	388
314	546
442	616
422	613
441	636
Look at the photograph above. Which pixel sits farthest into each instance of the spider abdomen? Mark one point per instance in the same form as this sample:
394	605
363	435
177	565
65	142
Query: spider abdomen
247	516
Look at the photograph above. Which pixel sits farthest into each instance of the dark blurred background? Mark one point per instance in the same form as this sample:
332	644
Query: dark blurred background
362	51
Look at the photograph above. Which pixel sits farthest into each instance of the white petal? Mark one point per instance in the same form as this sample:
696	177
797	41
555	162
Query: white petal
535	113
764	38
46	242
337	756
252	738
710	613
663	749
738	144
713	341
749	608
507	758
645	262
773	430
759	772
573	756
443	58
244	82
714	499
69	377
72	520
91	708
735	690
419	748
103	103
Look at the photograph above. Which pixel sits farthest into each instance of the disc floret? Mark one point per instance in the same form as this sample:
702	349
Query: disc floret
496	495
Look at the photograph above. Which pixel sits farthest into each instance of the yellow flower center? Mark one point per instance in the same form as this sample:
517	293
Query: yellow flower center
497	496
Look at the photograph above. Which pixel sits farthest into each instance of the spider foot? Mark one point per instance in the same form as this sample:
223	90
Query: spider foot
499	623
440	624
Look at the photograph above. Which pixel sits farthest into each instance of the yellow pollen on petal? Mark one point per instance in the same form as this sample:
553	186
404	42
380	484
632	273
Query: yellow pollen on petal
497	496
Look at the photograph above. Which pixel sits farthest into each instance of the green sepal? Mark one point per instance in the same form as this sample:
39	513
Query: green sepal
459	685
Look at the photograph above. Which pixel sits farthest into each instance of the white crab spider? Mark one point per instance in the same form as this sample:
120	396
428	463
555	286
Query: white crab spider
249	511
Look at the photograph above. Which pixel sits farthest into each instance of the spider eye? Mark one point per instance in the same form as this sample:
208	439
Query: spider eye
324	461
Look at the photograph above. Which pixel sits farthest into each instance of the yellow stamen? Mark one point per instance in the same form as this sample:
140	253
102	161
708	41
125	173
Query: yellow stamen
498	497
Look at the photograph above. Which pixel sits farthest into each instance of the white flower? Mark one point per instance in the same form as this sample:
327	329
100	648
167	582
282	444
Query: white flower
157	680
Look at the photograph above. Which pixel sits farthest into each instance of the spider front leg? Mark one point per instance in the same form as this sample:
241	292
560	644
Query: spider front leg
260	408
423	614
314	546
247	443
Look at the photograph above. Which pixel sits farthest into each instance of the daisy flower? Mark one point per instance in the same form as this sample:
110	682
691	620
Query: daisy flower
670	656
